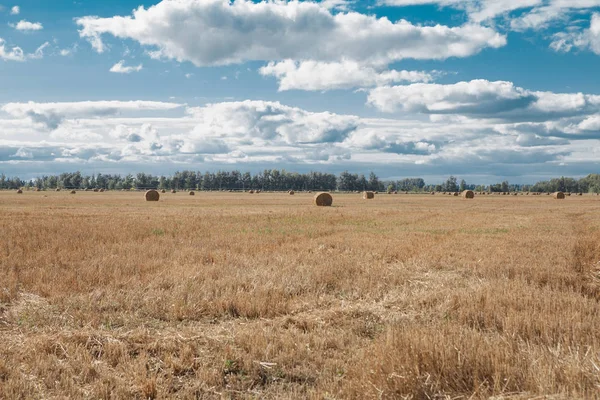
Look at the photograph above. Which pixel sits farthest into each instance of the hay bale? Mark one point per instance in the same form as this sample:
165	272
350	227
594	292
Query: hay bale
173	191
258	191
559	195
57	190
433	193
73	192
152	195
368	195
163	191
95	190
251	191
455	194
38	190
568	193
192	193
19	191
580	194
323	199
468	194
291	192
101	190
395	192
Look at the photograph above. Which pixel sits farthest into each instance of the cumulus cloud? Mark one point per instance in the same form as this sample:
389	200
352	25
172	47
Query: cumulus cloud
120	68
314	75
28	26
483	99
250	134
51	115
551	10
15	10
272	121
478	10
16	53
582	39
220	32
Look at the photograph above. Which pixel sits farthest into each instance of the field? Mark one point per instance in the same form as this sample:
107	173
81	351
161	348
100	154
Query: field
233	295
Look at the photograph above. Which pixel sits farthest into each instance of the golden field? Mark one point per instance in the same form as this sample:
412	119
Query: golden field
233	295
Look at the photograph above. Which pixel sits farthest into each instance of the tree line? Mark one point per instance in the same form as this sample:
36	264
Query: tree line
281	180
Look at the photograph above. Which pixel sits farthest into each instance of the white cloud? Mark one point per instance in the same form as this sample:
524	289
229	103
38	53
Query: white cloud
28	26
478	10
16	53
11	54
271	121
235	32
51	115
15	10
551	10
120	68
481	99
254	134
586	39
314	75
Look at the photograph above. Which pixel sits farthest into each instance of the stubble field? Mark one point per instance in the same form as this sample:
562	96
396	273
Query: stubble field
233	295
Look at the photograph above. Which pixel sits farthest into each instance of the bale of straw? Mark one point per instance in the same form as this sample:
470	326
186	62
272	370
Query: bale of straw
95	190
57	190
163	191
455	194
580	194
368	195
152	195
559	195
19	191
102	190
468	194
258	191
73	192
38	190
323	199
291	192
251	191
173	191
568	193
192	193
433	193
395	192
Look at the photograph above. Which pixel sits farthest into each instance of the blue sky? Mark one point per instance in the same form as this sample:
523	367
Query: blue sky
483	89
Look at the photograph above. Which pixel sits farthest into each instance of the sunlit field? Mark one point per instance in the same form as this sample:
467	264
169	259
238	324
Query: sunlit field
238	295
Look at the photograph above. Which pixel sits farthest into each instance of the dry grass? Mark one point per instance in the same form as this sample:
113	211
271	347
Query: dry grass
238	296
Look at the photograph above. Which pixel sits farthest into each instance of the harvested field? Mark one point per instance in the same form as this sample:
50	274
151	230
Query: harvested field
232	296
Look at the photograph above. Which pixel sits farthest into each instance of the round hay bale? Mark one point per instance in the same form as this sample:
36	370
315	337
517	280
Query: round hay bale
368	195
173	191
251	191
580	194
559	195
38	190
19	191
192	193
323	199
468	194
57	190
291	192
152	195
95	190
73	192
568	193
455	194
258	191
163	191
395	192
433	193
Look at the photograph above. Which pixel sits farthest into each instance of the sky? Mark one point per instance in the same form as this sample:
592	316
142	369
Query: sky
485	90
